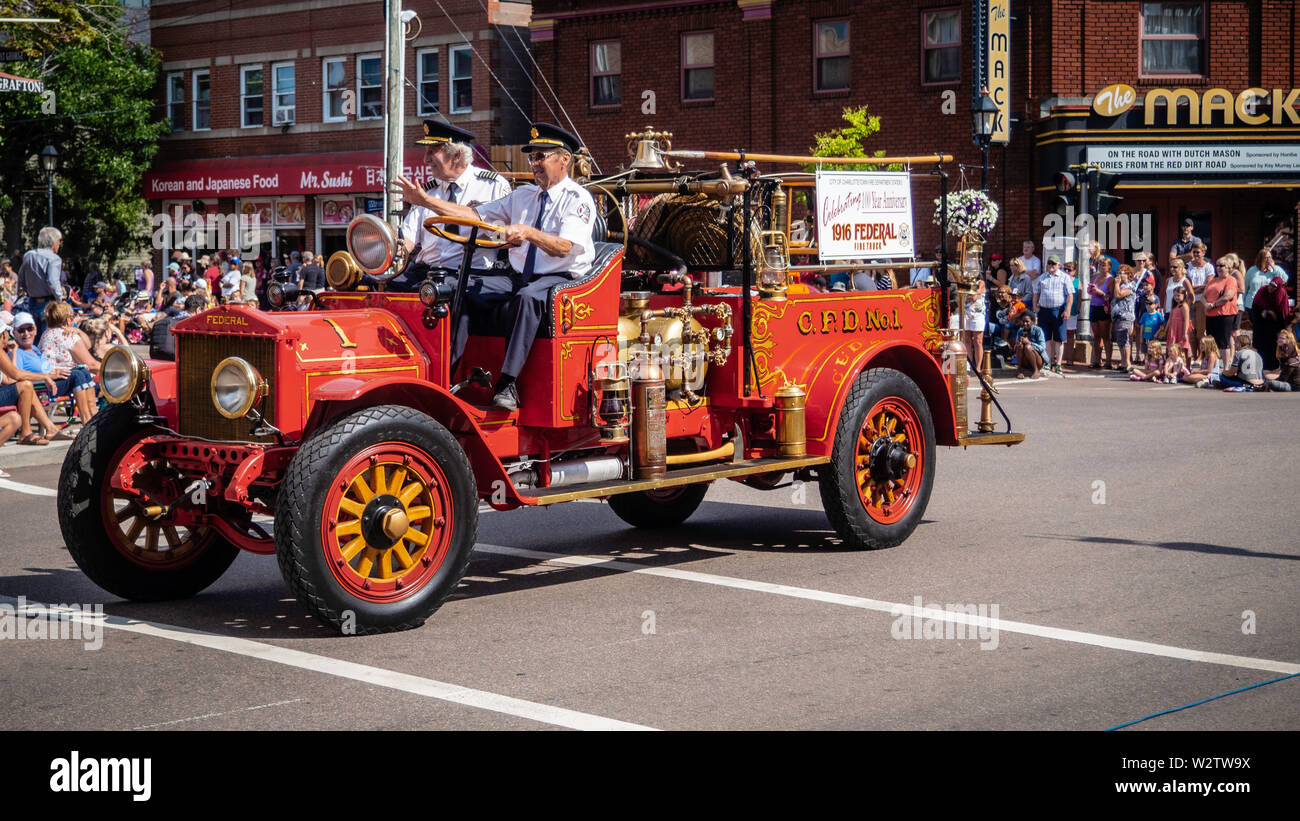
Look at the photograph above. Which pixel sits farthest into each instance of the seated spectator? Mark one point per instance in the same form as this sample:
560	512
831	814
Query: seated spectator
1288	355
162	345
1270	312
9	424
1155	370
1175	365
1247	368
17	388
1208	367
78	383
1009	307
1030	347
102	336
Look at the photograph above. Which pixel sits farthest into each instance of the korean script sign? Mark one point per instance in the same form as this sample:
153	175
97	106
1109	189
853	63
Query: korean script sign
864	215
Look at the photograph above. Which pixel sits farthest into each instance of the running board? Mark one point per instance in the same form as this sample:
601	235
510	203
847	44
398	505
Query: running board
684	476
1007	439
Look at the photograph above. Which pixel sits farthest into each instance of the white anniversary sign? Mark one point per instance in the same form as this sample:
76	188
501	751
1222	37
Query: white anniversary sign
864	215
1196	159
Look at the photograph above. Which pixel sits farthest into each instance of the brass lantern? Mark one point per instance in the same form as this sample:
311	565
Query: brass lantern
970	250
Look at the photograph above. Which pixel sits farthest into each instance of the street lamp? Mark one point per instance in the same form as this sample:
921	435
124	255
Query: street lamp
984	113
50	162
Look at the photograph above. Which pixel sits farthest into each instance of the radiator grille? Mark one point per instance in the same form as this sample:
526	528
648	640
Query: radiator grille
197	356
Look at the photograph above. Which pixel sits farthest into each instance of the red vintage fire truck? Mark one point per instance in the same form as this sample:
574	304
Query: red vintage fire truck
690	354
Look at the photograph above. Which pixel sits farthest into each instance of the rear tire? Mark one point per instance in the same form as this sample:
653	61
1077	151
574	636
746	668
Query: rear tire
872	495
653	509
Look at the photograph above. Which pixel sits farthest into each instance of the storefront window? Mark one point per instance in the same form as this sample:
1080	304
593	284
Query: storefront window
1173	39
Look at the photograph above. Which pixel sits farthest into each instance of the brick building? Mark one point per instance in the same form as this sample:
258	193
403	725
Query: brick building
766	75
277	107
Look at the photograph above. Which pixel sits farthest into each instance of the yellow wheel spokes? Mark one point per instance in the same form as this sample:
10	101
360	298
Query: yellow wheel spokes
151	539
405	553
884	493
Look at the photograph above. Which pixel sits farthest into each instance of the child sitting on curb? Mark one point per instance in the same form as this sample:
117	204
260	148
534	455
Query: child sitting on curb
1030	347
1288	356
1247	369
1175	366
1155	366
1208	367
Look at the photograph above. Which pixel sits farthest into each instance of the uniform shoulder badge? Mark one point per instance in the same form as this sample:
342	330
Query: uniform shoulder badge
584	212
488	175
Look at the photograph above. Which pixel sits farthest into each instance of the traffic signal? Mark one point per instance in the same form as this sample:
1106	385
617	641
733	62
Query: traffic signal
1101	200
1067	191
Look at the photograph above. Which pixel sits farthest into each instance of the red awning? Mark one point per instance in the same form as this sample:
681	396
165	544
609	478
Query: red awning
350	172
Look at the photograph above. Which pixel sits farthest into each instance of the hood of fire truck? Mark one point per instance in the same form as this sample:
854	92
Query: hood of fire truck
296	352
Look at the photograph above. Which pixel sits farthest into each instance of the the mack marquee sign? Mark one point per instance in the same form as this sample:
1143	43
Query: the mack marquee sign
1186	106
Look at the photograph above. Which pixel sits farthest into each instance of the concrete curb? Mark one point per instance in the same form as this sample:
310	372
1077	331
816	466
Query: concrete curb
14	455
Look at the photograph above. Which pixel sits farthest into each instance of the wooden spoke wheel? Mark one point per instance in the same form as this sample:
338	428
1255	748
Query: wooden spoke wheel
388	522
890	448
376	520
878	482
133	546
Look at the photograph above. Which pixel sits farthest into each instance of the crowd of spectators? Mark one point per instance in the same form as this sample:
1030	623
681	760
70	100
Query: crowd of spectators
1212	324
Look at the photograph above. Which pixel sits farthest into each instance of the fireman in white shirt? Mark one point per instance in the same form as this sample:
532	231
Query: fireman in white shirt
450	157
549	224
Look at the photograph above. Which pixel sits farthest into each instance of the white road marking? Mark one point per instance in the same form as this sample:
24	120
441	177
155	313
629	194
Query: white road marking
900	609
456	694
34	490
215	715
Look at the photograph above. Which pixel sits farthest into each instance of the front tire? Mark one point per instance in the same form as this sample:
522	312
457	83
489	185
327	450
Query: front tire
878	482
376	521
115	544
652	509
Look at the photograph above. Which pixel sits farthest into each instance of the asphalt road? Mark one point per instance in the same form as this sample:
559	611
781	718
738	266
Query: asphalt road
1139	549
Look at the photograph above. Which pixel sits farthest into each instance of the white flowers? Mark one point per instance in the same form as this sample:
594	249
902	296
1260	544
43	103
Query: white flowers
968	209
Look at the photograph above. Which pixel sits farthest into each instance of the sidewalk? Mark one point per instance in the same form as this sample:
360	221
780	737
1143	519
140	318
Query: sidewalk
14	455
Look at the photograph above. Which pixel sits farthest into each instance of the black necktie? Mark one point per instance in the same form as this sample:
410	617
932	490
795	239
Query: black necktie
451	197
531	259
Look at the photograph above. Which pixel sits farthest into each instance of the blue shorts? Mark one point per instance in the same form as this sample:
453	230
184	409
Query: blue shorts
1052	321
79	379
8	394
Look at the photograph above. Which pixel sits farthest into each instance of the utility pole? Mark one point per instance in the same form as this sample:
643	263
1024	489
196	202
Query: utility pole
394	114
1082	238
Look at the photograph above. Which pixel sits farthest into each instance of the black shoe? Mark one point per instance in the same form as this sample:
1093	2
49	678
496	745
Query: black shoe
507	397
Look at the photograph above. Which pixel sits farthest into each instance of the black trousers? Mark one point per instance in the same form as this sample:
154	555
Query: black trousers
486	292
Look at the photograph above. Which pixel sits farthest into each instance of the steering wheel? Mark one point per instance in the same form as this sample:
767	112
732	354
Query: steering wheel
431	224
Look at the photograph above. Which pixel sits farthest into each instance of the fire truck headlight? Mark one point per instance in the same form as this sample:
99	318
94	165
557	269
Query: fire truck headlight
371	243
237	388
122	374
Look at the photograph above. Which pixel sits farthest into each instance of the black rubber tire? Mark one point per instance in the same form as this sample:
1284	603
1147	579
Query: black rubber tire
653	509
85	468
838	482
298	545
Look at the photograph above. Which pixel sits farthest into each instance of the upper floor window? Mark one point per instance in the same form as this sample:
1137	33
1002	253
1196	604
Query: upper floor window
941	46
332	70
1173	39
606	71
202	102
250	96
831	55
697	65
370	87
176	100
462	89
428	84
284	101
